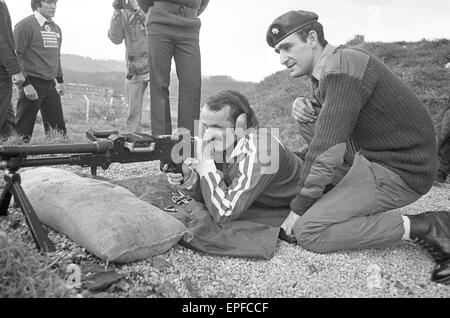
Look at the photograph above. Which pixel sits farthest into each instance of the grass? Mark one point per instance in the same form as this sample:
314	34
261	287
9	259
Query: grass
24	273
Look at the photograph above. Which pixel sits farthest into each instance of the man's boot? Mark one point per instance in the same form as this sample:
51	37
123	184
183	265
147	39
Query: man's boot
441	177
431	230
441	274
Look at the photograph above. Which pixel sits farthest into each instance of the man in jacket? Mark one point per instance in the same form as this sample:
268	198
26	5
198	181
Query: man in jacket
128	23
9	69
173	29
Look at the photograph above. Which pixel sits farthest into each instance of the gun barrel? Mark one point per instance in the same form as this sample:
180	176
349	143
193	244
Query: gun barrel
96	147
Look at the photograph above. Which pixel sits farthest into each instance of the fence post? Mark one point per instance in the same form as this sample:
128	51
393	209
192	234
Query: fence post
88	104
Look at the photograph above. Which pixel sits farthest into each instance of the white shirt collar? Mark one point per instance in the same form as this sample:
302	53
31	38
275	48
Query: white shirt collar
40	18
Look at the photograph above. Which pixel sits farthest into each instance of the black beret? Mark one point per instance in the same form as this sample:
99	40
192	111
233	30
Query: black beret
289	23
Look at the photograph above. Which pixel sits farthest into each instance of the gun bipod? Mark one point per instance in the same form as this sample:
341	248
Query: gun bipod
14	188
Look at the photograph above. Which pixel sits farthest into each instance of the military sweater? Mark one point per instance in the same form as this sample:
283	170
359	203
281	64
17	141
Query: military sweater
364	101
160	21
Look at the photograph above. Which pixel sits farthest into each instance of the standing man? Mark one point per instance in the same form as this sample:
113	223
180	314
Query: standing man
9	69
128	23
38	47
444	146
364	103
173	29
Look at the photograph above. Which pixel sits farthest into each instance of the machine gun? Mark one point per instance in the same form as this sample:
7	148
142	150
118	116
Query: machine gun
106	148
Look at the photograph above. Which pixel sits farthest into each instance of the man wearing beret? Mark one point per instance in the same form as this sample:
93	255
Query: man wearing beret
369	119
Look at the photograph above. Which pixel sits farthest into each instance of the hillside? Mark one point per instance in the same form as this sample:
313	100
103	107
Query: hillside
111	73
88	65
419	64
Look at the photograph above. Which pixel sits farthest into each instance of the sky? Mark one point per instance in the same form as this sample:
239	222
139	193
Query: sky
232	37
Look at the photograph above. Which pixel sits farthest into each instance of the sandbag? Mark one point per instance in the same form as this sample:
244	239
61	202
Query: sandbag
106	219
255	236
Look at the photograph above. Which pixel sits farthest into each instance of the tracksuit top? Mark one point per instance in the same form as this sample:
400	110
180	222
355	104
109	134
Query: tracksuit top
39	48
364	101
259	171
8	59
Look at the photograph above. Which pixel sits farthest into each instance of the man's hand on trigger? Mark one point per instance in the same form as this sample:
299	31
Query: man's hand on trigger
179	178
303	110
289	223
30	92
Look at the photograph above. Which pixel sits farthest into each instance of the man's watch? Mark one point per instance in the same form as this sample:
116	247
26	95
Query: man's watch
26	82
192	163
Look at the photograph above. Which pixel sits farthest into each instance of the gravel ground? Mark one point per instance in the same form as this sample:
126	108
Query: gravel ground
401	271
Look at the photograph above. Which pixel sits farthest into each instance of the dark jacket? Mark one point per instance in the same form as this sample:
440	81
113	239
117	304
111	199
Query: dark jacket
8	59
130	26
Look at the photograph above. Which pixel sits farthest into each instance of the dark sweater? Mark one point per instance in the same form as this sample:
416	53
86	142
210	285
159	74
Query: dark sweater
8	60
363	100
39	48
163	22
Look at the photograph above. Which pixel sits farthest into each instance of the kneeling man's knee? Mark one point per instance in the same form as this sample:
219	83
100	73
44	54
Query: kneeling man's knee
308	236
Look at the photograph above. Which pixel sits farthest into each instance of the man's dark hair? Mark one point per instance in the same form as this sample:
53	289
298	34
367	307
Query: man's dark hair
238	103
37	4
318	28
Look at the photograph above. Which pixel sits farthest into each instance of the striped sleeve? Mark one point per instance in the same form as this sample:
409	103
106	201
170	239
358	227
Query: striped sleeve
227	203
192	187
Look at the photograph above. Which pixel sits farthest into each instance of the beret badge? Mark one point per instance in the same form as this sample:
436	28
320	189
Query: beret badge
287	24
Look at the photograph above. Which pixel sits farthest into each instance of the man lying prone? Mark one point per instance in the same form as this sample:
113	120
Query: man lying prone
238	163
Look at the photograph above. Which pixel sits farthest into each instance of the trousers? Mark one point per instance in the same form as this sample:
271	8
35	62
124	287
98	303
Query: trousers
135	92
48	102
444	147
186	53
355	213
6	110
